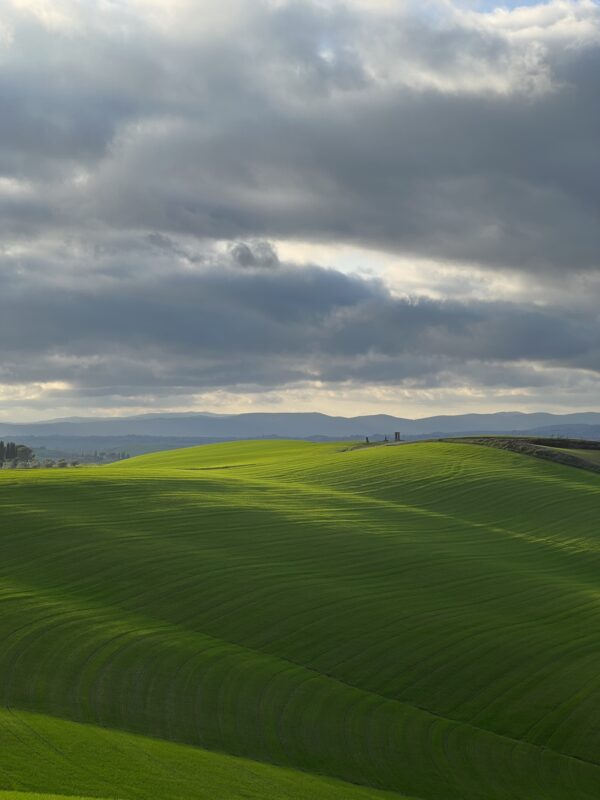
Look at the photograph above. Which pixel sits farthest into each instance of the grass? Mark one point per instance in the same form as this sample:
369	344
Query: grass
72	758
38	796
422	620
588	455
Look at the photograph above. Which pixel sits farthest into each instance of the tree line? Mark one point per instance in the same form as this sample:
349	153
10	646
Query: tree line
13	452
13	455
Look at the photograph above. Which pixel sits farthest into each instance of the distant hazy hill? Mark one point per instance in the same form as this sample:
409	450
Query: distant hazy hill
305	426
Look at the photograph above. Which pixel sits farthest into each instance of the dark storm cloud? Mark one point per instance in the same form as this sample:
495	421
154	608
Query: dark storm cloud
262	254
222	325
435	133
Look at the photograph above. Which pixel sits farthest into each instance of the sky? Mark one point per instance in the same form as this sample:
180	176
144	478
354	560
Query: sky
351	207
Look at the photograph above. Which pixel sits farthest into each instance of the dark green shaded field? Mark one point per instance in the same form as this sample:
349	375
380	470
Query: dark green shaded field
421	619
588	455
71	757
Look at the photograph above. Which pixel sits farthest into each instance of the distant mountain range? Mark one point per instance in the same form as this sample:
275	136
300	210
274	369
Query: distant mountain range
199	426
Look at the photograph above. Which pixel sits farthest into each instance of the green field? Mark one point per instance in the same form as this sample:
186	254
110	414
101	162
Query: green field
588	455
295	620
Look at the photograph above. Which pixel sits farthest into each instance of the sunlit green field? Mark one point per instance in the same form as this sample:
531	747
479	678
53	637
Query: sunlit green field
295	620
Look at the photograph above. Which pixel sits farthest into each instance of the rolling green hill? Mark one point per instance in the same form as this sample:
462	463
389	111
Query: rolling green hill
45	752
588	455
295	620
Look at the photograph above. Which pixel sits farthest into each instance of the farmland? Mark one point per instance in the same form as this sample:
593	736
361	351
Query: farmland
298	620
590	455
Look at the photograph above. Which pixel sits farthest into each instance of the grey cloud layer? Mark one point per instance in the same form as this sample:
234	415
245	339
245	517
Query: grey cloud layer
220	324
447	135
150	151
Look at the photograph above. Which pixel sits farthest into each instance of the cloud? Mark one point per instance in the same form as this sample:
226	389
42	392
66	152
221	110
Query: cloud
128	330
261	254
152	152
425	130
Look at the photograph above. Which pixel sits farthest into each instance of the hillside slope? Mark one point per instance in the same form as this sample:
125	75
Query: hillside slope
46	753
419	619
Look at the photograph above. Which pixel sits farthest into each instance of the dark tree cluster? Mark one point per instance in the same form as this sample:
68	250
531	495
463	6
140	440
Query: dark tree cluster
13	453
